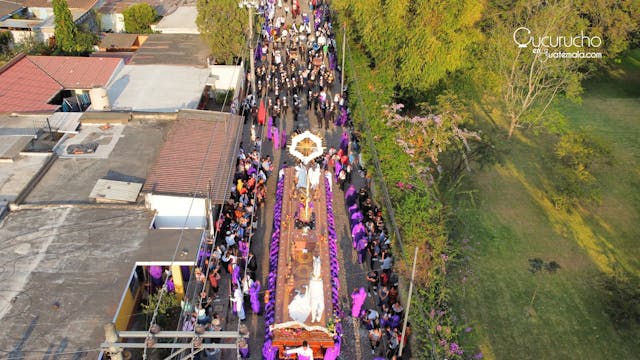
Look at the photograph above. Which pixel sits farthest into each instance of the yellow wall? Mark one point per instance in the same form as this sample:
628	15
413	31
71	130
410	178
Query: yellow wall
177	280
126	310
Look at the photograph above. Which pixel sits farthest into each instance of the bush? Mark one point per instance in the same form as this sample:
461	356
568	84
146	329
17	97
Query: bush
623	298
168	311
575	155
139	17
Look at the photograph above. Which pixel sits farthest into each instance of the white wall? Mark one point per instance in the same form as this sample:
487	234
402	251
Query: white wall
172	211
113	22
20	36
227	77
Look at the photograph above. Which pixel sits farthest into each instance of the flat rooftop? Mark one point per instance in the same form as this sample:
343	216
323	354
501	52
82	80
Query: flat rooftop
181	21
66	271
15	175
70	180
172	49
157	88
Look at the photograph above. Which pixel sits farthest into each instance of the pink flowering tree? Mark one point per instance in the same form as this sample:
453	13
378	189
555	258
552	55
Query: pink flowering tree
427	137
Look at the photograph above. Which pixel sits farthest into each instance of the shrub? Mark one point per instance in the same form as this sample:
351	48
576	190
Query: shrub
139	17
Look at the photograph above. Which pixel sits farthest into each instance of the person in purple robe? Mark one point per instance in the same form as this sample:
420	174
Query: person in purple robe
268	351
156	275
269	126
243	349
332	353
254	292
243	247
338	168
235	276
358	297
361	247
344	142
276	137
350	195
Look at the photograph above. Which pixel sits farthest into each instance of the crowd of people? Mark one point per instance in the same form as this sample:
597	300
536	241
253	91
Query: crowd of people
370	239
296	77
296	62
228	254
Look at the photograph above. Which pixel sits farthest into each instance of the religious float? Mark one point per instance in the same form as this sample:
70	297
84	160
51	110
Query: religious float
303	285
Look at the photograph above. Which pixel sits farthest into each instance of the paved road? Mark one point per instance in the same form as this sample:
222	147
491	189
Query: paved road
355	343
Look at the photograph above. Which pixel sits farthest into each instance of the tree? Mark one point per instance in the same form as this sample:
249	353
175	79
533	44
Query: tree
69	39
6	40
65	29
529	79
422	41
223	25
426	138
139	17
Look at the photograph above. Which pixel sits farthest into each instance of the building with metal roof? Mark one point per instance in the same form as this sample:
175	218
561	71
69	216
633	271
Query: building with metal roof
197	161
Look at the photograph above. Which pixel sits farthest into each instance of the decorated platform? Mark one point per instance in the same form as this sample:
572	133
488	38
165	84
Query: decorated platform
304	269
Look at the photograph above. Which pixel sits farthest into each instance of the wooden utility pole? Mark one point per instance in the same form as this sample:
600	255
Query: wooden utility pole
406	314
115	353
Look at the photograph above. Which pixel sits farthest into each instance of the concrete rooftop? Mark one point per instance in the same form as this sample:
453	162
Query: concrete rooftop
70	180
64	271
157	88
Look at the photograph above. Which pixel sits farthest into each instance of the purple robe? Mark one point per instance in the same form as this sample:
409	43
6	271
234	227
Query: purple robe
268	351
243	247
350	195
358	299
283	141
361	246
244	352
344	142
338	168
332	353
235	277
156	275
269	125
254	292
276	138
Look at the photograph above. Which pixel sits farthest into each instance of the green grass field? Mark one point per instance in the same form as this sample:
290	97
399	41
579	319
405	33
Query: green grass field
516	314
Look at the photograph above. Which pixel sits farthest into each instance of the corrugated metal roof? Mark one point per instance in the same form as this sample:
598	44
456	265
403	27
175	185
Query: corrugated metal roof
24	87
201	146
75	72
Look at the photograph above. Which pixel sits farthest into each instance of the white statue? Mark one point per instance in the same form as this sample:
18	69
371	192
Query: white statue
299	308
317	273
316	290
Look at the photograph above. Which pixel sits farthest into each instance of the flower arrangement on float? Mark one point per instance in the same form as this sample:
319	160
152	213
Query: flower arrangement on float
335	269
268	351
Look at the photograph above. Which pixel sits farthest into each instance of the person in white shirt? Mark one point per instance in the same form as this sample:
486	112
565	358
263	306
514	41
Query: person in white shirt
304	352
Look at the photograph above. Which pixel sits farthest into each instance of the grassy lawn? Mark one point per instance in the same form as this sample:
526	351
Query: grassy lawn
516	314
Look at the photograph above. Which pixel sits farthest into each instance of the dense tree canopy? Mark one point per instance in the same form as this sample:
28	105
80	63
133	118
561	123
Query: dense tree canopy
139	17
421	41
69	39
223	25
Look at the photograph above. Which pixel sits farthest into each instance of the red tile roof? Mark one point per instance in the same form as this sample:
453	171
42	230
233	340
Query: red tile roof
201	146
25	88
75	72
73	4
